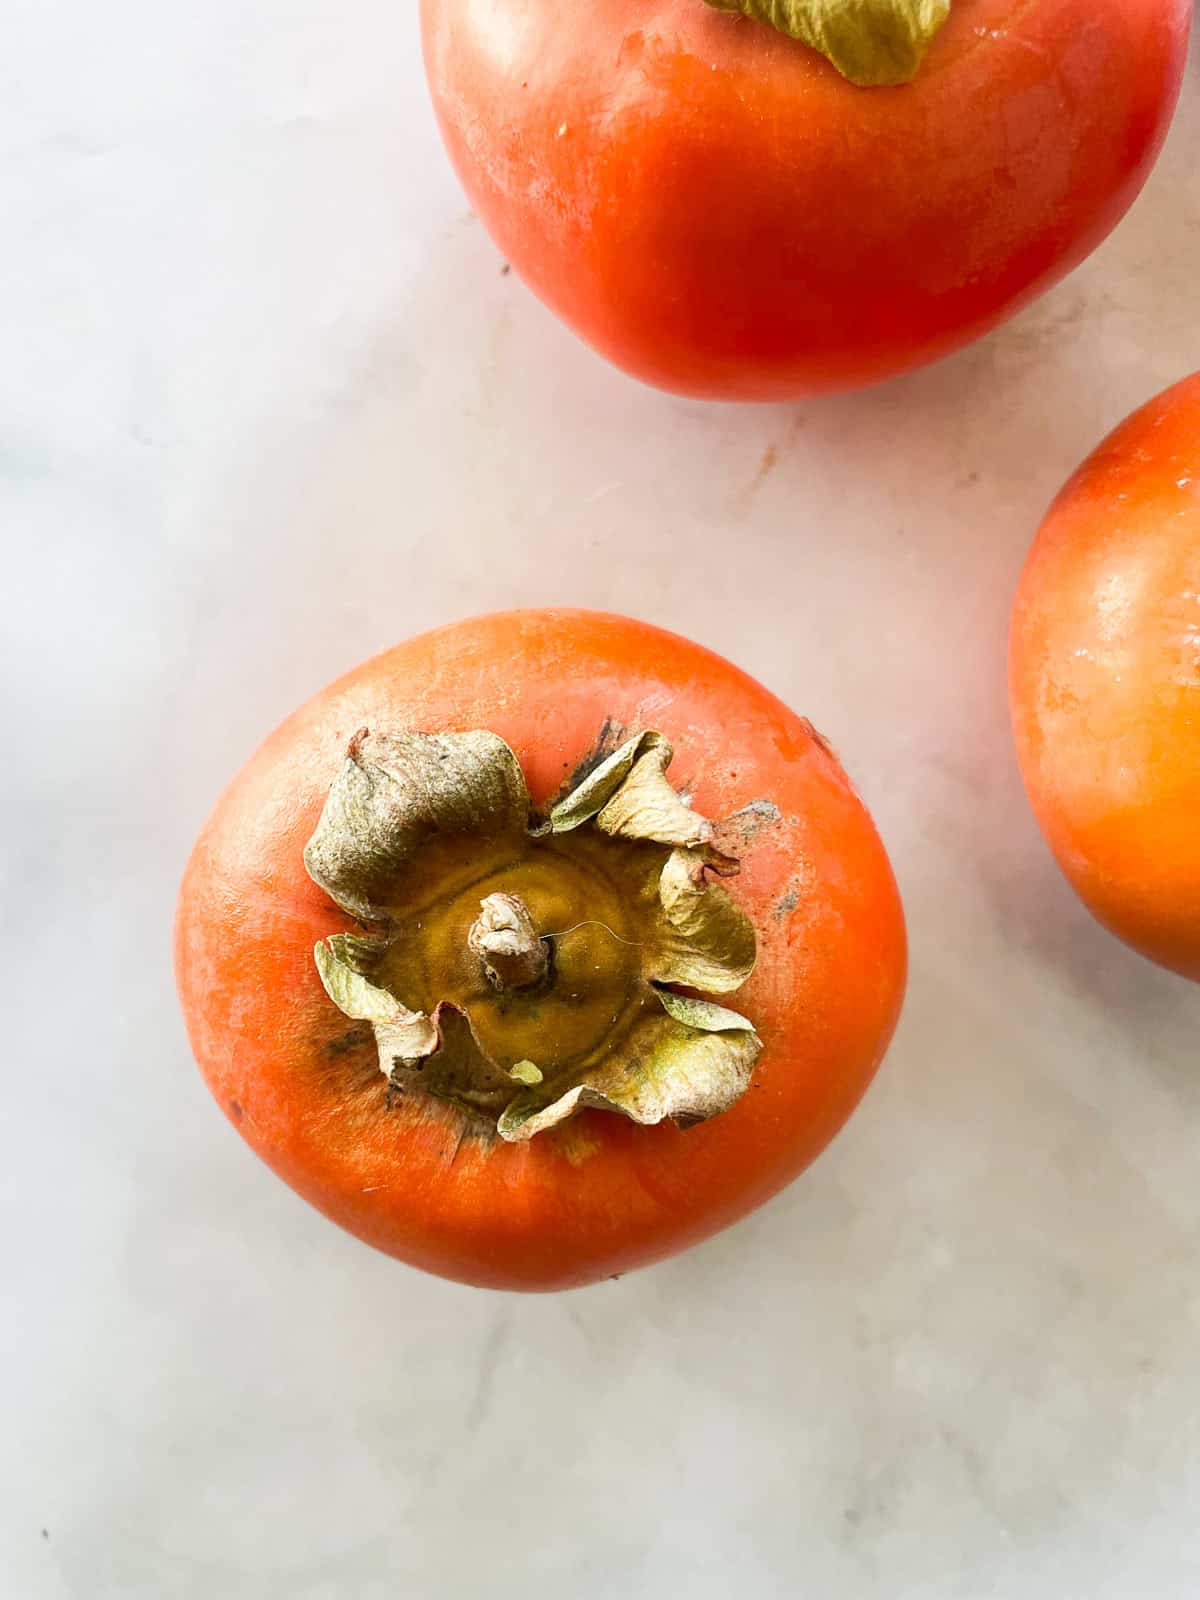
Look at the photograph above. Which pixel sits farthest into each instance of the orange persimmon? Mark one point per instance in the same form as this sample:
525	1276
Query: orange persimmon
1105	679
719	212
518	884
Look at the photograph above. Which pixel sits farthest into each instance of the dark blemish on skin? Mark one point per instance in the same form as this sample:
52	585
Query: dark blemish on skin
751	819
788	900
610	738
463	1131
734	833
235	1110
506	269
350	1042
765	809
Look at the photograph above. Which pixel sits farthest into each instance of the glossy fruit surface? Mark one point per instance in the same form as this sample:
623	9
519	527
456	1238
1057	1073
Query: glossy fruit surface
597	1195
1105	679
717	211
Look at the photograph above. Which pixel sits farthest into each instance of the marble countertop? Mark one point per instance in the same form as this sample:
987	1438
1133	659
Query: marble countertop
268	404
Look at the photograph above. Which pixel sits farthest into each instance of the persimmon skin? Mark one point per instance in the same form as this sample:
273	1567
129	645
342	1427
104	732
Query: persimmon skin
712	207
598	1196
1104	668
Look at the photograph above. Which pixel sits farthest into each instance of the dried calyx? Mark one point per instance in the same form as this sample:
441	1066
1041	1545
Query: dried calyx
874	43
526	971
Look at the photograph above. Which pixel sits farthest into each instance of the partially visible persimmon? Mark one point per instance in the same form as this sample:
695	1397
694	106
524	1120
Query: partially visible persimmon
483	983
719	210
1105	679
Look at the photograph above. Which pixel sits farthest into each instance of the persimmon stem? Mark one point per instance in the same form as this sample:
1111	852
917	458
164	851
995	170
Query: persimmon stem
504	938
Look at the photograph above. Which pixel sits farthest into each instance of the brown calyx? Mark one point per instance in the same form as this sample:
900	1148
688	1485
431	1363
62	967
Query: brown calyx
525	972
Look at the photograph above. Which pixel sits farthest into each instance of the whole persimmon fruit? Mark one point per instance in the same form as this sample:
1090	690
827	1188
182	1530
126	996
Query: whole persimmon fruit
477	978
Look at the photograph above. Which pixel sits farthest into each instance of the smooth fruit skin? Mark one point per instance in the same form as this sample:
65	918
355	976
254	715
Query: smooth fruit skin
1105	679
598	1196
719	213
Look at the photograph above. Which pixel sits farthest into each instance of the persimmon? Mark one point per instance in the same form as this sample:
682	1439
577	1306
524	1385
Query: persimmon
719	210
1105	679
482	982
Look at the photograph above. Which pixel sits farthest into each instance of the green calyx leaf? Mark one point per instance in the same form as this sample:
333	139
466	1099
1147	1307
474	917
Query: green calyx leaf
401	1034
628	794
873	43
703	938
685	1068
703	1014
398	795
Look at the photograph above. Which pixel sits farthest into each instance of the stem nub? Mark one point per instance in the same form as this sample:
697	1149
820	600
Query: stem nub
505	940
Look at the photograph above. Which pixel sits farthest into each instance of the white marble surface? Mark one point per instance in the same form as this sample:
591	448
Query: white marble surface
267	404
